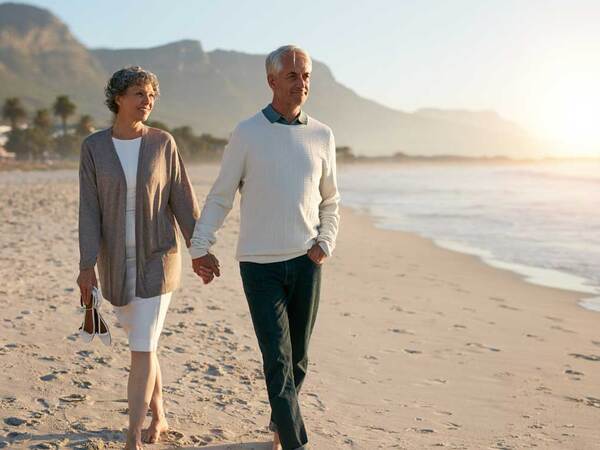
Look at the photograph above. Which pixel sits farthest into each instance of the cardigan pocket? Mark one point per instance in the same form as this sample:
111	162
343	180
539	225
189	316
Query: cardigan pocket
166	239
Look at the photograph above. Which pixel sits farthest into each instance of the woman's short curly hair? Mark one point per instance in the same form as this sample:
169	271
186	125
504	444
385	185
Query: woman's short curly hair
122	79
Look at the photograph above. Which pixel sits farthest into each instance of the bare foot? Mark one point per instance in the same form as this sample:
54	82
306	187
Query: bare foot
276	443
134	441
156	428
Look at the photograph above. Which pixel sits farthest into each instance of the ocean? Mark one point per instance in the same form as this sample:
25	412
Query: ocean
541	220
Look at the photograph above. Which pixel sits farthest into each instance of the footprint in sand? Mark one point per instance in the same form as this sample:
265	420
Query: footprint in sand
358	380
73	398
554	319
574	374
432	381
485	347
452	426
317	401
14	421
564	330
594	358
592	401
422	430
49	377
510	308
53	375
82	384
401	331
412	351
533	336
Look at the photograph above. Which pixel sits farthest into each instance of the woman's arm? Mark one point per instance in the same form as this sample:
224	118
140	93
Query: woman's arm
90	220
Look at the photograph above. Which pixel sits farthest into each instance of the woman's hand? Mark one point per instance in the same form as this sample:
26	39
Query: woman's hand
86	280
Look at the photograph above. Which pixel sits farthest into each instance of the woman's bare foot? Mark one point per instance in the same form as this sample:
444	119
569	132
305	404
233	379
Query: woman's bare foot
156	428
276	443
134	441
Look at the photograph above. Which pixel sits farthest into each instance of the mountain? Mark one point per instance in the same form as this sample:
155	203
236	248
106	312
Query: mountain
212	91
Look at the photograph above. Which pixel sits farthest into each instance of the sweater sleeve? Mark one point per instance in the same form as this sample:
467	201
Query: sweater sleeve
90	215
330	198
182	199
220	198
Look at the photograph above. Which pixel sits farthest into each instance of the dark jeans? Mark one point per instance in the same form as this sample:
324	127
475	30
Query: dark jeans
283	298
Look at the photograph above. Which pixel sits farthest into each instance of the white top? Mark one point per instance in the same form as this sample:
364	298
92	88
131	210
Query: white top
289	196
128	152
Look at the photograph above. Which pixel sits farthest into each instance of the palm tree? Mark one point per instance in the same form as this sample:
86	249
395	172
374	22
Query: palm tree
64	107
85	125
13	111
42	120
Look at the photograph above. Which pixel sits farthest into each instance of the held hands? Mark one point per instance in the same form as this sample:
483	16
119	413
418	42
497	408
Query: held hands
206	267
86	280
316	254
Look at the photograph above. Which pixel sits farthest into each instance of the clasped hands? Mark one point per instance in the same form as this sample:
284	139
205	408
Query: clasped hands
207	266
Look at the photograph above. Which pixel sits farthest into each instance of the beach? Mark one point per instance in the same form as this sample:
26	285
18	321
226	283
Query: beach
415	346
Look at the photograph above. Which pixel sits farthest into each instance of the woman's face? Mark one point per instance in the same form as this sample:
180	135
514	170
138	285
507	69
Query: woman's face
137	102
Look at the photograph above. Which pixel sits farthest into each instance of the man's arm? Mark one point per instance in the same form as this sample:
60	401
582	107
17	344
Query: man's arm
220	198
330	198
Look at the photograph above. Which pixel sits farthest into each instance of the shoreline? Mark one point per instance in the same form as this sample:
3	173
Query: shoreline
539	276
590	295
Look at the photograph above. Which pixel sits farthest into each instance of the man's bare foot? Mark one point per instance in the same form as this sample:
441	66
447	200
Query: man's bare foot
156	428
134	441
276	443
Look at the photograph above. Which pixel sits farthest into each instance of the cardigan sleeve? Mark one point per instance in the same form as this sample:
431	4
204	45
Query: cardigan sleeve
90	214
182	199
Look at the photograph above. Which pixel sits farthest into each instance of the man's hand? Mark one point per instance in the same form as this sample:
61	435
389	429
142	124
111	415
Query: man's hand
317	254
206	267
86	280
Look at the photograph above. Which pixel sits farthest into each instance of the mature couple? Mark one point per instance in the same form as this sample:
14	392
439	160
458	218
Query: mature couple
133	190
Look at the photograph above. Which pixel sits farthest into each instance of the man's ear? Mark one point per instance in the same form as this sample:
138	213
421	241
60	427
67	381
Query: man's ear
271	81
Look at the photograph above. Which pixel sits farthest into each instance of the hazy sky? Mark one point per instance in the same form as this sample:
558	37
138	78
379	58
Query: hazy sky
533	61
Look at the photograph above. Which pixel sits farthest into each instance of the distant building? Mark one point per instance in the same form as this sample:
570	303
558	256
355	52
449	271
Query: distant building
4	130
4	154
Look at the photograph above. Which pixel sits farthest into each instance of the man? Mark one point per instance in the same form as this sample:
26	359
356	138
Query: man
283	163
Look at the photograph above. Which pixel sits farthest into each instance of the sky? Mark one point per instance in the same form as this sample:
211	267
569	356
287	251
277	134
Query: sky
536	62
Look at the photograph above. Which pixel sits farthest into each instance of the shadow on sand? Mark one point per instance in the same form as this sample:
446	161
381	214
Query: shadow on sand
77	440
242	446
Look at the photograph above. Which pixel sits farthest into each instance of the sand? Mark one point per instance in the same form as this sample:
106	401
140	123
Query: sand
415	346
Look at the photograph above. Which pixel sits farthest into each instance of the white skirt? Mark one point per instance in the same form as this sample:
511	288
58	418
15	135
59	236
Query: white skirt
142	318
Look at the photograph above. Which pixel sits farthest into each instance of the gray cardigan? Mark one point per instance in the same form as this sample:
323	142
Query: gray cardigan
164	195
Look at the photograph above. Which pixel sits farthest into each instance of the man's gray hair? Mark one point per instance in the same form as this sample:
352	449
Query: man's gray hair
273	62
124	78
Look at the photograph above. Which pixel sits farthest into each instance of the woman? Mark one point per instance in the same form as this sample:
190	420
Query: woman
133	188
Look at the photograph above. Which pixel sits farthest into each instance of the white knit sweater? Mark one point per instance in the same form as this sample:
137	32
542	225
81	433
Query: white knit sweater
289	198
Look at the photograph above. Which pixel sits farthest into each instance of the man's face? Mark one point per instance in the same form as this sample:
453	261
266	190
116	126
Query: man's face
292	84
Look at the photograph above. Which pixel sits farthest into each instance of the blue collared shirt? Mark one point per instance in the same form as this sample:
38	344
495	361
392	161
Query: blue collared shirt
274	117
